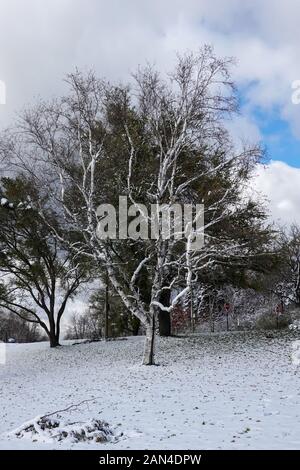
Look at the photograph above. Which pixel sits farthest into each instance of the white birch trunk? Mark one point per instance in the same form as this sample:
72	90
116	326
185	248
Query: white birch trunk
148	359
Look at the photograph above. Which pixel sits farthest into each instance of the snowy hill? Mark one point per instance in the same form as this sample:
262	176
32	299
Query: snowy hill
209	392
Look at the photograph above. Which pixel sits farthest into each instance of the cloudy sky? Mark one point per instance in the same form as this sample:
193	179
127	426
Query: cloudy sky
41	41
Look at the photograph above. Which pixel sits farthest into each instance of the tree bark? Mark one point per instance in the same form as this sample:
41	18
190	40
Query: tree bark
136	326
164	318
106	308
148	359
54	333
211	314
54	341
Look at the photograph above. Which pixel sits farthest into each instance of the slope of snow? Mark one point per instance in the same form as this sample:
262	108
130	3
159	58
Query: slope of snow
234	391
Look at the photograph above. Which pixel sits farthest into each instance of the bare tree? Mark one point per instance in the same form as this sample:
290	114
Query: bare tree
79	327
285	281
12	327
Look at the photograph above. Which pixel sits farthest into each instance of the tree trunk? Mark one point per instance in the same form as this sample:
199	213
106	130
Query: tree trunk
164	318
54	333
57	335
148	359
106	308
211	315
227	322
54	341
136	326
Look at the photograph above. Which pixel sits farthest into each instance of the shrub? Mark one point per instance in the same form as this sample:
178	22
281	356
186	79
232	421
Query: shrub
270	321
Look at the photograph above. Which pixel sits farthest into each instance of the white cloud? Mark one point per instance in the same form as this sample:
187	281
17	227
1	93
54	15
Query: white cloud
40	42
244	130
280	183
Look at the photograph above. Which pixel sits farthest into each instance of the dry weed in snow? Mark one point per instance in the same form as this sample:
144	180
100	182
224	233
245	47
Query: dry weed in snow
49	429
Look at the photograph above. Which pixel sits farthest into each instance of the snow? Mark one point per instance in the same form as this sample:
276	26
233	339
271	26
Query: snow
295	325
49	429
221	391
3	201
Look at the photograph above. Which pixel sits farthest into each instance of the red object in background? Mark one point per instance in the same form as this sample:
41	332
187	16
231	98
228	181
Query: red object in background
180	318
279	309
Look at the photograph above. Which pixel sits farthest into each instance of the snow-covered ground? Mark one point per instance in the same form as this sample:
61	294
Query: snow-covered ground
232	391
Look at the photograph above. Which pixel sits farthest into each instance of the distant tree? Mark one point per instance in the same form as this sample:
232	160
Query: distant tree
38	276
20	330
79	326
108	310
285	282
